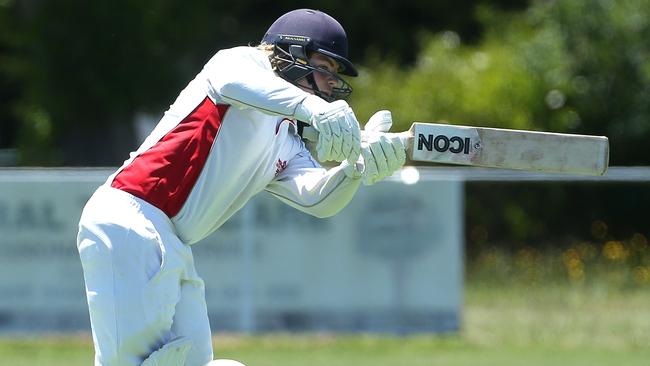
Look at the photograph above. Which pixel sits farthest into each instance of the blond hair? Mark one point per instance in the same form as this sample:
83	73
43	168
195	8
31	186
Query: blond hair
269	50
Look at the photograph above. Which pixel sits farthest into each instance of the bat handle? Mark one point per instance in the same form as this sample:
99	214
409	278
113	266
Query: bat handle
406	136
309	133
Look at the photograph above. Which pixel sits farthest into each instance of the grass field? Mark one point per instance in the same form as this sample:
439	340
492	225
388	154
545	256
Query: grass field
503	325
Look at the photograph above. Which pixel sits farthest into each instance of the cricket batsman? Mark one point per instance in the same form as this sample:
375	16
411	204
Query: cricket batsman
233	132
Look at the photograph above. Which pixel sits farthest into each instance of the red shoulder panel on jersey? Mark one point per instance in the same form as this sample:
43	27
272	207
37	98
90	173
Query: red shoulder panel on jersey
165	174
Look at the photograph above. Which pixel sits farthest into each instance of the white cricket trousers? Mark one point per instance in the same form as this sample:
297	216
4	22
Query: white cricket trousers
141	283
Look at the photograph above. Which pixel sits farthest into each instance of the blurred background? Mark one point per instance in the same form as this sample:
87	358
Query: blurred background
548	263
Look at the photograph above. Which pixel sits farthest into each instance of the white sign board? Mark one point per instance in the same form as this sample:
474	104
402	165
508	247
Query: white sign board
391	261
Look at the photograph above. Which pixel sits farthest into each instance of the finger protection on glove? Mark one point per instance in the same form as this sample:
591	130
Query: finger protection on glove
339	135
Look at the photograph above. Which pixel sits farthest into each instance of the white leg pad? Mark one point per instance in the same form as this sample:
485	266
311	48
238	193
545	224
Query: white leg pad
224	363
173	353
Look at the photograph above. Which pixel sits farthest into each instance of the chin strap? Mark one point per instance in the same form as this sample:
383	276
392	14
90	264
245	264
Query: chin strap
312	83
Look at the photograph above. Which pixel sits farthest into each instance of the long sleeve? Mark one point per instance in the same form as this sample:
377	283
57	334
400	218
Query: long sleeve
243	77
310	188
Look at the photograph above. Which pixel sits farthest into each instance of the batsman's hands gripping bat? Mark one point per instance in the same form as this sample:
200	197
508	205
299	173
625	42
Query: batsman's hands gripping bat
381	153
339	135
437	143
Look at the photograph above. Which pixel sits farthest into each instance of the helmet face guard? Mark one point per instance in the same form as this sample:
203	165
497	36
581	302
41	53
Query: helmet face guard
292	64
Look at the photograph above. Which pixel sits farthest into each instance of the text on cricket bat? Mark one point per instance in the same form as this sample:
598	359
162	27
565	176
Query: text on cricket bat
442	143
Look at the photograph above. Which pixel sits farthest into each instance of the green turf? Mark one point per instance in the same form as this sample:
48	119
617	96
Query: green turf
503	325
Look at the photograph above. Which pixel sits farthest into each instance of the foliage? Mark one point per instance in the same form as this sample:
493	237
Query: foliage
561	215
75	74
610	265
564	66
78	73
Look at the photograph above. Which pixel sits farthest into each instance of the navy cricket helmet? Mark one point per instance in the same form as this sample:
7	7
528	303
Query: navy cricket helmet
299	33
316	31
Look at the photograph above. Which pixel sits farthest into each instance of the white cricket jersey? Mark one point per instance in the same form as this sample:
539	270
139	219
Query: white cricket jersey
230	134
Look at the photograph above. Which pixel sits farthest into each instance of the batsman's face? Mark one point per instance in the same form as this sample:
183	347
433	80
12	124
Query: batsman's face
326	77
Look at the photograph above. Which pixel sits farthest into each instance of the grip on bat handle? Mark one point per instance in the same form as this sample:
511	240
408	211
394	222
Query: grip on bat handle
309	133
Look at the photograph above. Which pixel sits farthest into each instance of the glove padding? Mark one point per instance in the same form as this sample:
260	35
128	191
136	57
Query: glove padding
383	154
339	135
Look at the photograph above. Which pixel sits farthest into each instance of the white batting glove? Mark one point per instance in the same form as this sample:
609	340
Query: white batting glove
383	154
339	136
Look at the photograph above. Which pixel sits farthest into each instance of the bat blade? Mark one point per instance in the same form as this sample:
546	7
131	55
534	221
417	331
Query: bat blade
508	149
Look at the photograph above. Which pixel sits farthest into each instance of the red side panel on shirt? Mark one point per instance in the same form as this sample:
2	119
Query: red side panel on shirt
165	174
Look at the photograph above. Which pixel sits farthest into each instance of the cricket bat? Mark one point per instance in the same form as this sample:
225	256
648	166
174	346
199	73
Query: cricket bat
428	143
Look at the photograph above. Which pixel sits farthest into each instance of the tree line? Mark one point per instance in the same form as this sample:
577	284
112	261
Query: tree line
74	75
